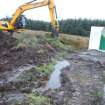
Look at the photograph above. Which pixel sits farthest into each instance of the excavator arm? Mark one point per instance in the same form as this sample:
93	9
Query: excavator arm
31	5
53	16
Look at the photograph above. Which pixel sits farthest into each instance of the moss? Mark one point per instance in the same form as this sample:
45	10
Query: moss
97	93
38	100
46	68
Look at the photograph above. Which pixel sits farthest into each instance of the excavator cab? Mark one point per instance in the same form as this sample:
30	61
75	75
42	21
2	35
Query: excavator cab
21	22
4	24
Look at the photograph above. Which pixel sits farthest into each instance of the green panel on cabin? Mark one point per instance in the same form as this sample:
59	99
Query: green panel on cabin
102	42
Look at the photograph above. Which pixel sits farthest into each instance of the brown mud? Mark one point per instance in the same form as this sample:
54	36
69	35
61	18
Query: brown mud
12	57
81	84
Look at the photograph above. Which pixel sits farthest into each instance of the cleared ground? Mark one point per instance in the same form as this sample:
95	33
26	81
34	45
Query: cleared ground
27	59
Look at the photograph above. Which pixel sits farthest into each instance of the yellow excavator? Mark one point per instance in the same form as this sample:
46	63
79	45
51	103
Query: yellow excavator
18	20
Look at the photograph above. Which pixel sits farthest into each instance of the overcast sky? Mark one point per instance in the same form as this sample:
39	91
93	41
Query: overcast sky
90	9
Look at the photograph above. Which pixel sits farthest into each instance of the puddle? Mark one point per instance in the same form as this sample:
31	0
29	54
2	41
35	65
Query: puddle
54	81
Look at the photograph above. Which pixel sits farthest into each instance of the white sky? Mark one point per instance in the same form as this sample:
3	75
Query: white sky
91	9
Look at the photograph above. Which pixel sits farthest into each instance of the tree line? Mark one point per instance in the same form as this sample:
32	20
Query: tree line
70	26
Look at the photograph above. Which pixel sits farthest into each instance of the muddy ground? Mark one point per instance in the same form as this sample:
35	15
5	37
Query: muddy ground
13	62
12	57
22	84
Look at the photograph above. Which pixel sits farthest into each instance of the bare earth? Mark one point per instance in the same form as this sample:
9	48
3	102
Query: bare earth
82	84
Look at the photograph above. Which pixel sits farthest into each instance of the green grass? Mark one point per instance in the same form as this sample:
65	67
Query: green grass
38	100
97	93
32	41
55	42
46	68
